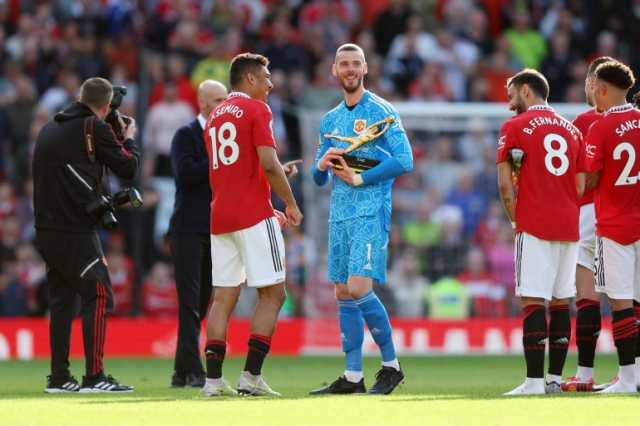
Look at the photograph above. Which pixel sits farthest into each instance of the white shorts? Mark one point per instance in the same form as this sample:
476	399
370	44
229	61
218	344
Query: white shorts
587	243
545	269
254	254
617	269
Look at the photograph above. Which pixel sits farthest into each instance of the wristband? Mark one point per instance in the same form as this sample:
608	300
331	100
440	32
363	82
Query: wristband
357	180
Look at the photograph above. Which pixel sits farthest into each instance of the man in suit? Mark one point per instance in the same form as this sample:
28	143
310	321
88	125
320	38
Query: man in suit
189	235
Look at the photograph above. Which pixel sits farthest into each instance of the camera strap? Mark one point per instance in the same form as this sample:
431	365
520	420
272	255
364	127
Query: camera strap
89	127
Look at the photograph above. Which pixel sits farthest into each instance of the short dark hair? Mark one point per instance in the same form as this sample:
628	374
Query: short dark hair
245	63
597	61
616	73
532	78
349	47
96	92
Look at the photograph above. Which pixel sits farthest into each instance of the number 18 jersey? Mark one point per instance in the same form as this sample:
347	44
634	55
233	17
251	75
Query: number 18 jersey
612	148
547	204
241	191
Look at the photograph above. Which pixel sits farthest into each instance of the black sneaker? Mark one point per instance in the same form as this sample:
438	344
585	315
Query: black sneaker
387	378
341	387
178	380
70	384
192	380
103	384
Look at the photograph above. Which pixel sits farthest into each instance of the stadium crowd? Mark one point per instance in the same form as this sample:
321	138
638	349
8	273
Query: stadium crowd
451	247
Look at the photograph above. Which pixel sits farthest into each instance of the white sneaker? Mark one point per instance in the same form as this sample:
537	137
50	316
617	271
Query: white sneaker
529	387
248	384
620	387
217	387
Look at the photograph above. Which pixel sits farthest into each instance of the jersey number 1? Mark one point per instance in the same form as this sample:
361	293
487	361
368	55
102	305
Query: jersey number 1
228	151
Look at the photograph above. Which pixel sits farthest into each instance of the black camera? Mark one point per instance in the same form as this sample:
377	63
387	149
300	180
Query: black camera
102	209
119	92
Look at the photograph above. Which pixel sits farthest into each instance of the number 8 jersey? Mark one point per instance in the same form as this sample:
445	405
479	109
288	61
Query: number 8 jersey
547	204
613	148
241	192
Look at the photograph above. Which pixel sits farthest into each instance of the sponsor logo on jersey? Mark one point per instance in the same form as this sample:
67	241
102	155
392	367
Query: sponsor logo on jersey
502	141
591	150
359	125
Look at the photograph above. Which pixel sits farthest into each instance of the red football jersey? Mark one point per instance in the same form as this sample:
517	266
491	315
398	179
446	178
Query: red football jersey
612	148
241	191
547	204
583	122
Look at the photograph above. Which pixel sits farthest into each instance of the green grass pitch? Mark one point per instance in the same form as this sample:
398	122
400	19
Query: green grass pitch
438	391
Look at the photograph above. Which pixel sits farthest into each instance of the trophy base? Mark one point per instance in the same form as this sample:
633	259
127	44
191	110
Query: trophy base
358	165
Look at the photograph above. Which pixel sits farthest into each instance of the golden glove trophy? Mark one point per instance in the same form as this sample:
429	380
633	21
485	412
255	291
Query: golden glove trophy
372	132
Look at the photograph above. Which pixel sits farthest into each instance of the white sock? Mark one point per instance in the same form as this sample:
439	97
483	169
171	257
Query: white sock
353	376
584	373
554	378
627	373
638	369
393	363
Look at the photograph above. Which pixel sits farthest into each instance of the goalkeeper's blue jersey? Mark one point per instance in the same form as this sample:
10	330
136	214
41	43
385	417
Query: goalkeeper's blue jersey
370	199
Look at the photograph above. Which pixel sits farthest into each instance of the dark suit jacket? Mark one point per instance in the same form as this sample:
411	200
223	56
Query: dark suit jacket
190	164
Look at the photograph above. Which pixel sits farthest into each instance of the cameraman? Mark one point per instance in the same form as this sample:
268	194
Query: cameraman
71	154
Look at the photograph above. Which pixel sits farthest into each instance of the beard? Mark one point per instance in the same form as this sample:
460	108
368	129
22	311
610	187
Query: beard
351	89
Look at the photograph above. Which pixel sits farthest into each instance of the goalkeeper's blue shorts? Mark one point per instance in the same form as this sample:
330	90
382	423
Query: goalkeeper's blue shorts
358	246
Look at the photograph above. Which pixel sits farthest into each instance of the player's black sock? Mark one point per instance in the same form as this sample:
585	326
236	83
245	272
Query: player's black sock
214	352
534	335
625	333
636	308
258	350
588	323
559	333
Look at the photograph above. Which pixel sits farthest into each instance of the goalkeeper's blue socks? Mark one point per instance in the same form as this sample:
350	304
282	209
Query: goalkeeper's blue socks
377	319
352	333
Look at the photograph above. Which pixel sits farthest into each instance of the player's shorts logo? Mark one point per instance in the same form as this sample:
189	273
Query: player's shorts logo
359	125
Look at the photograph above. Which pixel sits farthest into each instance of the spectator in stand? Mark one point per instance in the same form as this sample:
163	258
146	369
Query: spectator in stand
476	31
13	295
178	76
164	118
442	170
20	114
159	292
216	65
471	202
66	90
527	45
501	262
446	258
408	285
459	60
283	47
557	65
487	297
122	274
447	298
421	232
391	23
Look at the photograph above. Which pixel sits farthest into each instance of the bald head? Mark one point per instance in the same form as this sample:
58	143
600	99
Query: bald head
210	94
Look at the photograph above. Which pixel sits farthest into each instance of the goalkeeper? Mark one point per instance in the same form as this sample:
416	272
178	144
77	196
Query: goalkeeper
360	216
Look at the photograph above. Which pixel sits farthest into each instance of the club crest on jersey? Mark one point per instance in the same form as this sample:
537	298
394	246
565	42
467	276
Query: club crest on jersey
359	125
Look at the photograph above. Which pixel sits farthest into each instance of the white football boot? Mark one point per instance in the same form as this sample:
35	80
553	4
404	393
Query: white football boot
217	387
529	387
248	384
